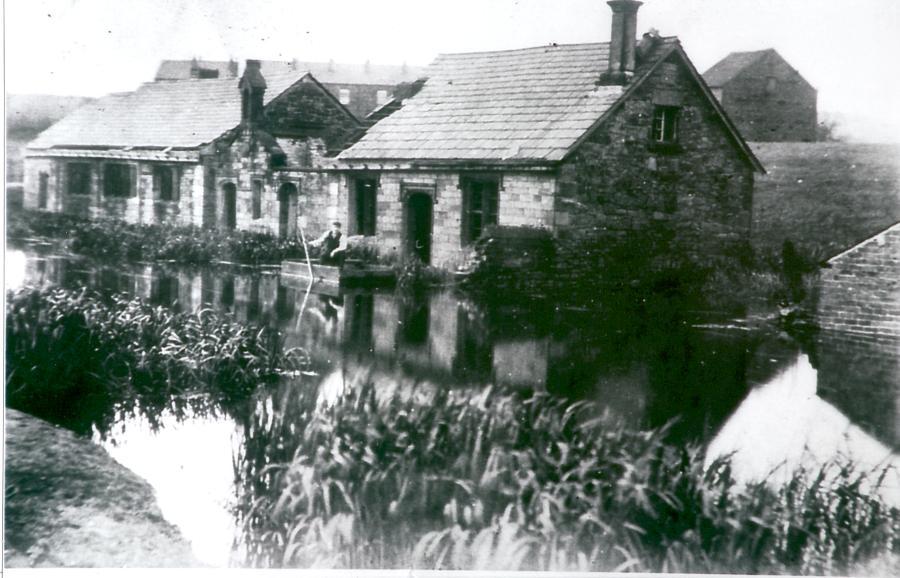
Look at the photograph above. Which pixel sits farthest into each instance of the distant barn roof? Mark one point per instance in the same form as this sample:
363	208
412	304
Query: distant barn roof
342	73
181	69
325	72
531	104
726	69
178	114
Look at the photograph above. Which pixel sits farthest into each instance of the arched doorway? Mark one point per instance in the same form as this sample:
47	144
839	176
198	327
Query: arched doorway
287	210
419	207
229	205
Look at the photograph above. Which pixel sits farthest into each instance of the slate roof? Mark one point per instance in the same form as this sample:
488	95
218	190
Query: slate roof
726	69
531	104
178	114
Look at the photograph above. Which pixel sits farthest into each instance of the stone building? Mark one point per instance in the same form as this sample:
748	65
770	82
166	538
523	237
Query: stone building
594	140
765	97
860	289
230	153
362	88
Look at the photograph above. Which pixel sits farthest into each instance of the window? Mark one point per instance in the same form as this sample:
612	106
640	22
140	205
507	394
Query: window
771	85
78	179
665	124
257	199
165	183
43	182
480	206
365	191
116	180
344	95
382	97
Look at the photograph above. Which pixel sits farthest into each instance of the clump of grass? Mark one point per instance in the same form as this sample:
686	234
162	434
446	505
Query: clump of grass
496	480
75	359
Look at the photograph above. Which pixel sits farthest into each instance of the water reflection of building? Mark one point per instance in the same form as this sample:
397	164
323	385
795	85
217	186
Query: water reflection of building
647	373
861	377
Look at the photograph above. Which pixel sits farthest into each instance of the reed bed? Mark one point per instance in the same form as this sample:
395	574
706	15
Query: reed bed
75	359
499	480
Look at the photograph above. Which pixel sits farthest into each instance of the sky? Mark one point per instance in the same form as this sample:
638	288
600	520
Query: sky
845	48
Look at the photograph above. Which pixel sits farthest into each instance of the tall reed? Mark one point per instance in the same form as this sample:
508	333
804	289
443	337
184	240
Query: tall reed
499	480
75	359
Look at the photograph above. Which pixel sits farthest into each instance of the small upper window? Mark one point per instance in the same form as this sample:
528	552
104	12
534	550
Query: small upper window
665	124
116	180
382	96
771	85
78	179
344	96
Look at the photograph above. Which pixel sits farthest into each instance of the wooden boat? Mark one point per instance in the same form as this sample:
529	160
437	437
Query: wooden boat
351	273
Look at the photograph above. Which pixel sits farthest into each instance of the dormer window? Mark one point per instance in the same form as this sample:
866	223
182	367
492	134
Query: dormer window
665	125
344	95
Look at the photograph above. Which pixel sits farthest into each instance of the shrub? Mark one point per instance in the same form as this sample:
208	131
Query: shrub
117	240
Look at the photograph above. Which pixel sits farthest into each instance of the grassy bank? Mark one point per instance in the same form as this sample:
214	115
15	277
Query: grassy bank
497	480
74	359
112	239
826	197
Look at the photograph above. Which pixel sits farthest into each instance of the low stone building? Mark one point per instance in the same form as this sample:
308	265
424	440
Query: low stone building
587	140
766	98
362	88
860	289
231	153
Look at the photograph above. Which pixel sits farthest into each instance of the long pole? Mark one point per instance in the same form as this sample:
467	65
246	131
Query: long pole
306	252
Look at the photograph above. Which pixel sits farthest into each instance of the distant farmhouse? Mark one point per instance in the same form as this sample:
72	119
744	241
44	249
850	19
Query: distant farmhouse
585	141
362	88
765	97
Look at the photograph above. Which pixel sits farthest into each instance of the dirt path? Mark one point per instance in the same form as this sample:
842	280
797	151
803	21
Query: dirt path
68	503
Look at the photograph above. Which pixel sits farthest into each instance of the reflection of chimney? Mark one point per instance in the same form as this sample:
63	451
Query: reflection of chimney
195	68
232	68
622	41
253	88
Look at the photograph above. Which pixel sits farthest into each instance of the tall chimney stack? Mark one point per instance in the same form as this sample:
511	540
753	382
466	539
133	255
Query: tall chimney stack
622	42
253	87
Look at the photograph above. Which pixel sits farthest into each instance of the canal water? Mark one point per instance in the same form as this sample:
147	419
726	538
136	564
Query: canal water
752	393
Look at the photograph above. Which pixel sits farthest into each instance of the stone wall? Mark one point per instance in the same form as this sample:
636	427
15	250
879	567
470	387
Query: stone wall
308	111
142	206
525	199
860	288
694	194
779	110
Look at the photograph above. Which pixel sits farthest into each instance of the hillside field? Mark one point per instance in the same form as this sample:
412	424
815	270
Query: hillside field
825	197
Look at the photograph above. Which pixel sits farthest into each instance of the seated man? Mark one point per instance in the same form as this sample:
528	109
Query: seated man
334	245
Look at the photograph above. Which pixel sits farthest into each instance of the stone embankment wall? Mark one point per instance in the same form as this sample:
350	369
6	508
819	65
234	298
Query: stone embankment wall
860	289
